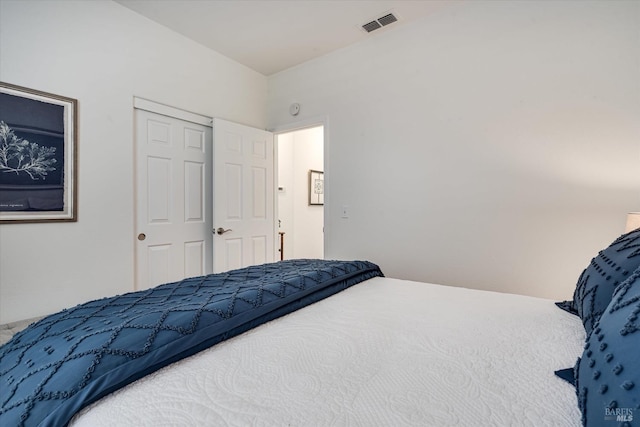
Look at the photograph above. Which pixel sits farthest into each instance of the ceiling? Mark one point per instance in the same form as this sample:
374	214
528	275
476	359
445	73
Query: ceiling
269	36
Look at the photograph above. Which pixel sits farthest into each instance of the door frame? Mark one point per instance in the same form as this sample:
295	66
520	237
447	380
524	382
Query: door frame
167	110
176	113
310	122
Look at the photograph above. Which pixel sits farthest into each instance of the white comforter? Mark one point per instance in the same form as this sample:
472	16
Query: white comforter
385	352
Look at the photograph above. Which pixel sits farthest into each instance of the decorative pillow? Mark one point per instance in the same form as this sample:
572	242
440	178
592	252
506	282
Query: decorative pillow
601	277
567	306
608	374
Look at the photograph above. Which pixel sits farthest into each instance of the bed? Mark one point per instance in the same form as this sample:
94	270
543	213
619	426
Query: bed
378	351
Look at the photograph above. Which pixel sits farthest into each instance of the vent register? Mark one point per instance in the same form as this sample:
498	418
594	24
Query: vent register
383	21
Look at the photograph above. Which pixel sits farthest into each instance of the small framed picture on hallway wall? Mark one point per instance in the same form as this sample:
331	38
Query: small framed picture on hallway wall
316	187
37	155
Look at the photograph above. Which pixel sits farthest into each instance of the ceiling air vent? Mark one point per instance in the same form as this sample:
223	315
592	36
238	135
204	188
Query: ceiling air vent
370	26
387	19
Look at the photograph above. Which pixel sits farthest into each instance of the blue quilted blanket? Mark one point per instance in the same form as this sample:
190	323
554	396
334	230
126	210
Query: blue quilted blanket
64	362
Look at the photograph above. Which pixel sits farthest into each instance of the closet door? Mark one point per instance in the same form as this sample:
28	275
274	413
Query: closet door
173	199
244	192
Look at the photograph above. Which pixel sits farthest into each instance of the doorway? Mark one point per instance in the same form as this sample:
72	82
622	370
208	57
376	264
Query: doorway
300	195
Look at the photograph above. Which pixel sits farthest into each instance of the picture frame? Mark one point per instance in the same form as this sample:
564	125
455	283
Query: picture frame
316	187
38	139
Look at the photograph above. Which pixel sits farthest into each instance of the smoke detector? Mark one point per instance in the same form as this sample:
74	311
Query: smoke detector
383	21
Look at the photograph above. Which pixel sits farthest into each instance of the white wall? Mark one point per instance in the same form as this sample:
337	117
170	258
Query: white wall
103	55
299	152
492	145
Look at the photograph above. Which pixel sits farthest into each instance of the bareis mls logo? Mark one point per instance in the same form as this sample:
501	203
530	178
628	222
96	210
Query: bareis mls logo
618	414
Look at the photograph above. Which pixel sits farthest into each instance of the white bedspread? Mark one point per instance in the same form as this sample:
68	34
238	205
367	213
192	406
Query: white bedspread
385	352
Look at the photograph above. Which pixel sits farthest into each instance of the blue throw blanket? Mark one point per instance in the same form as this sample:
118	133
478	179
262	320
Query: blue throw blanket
64	362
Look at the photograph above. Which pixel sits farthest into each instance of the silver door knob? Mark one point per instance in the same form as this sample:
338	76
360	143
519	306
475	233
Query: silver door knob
221	231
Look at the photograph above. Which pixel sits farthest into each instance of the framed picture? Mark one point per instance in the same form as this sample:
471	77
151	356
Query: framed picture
316	187
38	134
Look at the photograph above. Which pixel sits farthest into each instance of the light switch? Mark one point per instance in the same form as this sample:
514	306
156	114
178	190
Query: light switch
345	211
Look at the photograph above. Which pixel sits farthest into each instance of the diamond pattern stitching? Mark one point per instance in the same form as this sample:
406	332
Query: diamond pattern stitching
35	367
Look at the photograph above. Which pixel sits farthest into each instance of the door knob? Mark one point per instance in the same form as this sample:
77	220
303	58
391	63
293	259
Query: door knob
142	236
221	230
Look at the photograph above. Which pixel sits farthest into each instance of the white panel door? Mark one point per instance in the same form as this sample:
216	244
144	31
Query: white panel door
244	192
173	202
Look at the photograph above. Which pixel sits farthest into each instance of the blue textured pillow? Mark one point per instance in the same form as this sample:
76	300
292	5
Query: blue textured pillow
601	277
608	374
